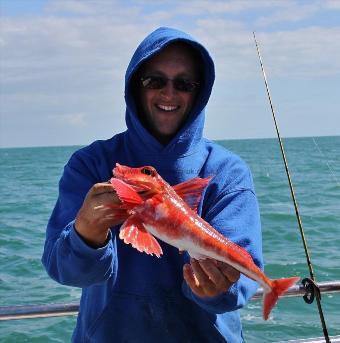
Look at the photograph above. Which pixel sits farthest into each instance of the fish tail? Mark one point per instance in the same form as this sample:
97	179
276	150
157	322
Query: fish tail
279	287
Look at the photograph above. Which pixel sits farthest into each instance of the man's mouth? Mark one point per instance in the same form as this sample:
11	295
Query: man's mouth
167	108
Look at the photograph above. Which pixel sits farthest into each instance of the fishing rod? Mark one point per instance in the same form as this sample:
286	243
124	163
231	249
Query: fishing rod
310	282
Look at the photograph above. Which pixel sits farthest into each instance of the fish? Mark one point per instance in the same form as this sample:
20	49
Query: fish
155	210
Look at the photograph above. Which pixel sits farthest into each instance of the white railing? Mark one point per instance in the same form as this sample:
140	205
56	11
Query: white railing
66	309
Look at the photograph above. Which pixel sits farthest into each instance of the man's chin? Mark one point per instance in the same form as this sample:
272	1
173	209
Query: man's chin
164	137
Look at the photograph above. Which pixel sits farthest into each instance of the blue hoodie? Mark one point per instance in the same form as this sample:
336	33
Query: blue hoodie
128	296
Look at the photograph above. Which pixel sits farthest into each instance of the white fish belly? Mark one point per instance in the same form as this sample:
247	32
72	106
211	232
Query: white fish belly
197	252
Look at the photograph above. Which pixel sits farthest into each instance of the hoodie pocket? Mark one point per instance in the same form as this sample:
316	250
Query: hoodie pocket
128	318
133	318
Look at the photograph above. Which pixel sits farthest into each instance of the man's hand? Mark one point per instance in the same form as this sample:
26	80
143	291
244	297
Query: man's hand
209	278
98	213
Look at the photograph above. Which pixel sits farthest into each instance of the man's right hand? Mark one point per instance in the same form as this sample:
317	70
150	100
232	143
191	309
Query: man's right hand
98	213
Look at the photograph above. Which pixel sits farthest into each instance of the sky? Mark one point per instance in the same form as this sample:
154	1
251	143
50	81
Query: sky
62	66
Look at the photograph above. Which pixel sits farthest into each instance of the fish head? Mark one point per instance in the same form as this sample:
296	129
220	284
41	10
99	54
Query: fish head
144	180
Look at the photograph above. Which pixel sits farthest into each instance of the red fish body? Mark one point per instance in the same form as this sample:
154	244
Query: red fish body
155	209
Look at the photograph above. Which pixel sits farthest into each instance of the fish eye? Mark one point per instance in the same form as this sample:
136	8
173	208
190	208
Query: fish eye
147	171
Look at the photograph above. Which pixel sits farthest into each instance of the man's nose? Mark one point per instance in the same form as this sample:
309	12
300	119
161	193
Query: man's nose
168	90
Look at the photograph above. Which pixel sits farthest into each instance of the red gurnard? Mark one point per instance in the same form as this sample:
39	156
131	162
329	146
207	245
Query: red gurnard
155	209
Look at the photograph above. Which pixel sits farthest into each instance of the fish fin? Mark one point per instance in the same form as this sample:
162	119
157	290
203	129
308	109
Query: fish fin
133	232
279	287
191	191
126	194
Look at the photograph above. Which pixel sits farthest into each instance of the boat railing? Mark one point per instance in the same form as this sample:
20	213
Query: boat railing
66	309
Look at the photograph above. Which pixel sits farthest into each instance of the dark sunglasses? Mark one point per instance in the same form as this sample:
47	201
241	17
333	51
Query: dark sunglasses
159	82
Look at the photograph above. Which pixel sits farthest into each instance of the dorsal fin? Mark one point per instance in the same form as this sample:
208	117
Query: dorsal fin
191	191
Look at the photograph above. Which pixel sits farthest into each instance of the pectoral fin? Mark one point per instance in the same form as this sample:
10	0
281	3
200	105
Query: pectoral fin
133	232
126	194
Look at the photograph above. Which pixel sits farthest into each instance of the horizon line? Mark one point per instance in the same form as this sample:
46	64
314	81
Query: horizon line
214	140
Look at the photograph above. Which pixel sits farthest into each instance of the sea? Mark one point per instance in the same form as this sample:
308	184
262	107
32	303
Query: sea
28	187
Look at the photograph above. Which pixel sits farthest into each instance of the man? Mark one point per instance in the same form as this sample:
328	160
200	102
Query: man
133	297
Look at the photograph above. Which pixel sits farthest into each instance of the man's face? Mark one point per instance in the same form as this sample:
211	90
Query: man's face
166	109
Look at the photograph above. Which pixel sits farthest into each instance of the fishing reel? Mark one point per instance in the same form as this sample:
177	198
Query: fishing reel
311	288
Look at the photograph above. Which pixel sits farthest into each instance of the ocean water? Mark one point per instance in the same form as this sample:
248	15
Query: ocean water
28	184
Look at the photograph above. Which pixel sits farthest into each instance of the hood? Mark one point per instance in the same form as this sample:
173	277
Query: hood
191	133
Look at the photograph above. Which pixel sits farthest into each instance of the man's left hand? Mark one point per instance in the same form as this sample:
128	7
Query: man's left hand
209	278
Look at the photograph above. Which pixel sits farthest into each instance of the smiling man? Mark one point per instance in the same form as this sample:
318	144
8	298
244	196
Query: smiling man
168	86
128	296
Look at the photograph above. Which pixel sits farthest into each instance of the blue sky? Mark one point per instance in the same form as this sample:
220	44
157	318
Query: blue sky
62	66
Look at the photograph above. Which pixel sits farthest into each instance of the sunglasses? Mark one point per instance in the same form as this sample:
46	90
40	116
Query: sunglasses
179	83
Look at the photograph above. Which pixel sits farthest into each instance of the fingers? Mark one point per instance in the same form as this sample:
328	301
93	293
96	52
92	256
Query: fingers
99	211
198	280
101	194
229	272
206	285
102	187
209	278
106	215
214	274
105	191
192	281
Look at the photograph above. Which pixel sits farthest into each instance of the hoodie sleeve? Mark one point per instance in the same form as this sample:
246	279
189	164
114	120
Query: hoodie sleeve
235	214
67	258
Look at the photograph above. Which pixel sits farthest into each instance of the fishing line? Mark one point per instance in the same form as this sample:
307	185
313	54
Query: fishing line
304	241
327	163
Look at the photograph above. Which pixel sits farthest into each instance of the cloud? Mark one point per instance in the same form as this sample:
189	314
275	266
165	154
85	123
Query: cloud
116	9
70	7
73	119
332	4
69	60
308	52
291	13
200	7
